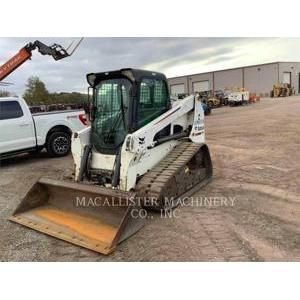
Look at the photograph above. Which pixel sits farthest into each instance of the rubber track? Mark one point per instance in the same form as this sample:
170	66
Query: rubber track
166	175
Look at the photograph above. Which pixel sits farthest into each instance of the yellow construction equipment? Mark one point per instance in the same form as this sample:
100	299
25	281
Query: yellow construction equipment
282	90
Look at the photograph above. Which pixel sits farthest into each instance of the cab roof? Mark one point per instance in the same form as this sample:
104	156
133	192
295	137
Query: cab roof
130	73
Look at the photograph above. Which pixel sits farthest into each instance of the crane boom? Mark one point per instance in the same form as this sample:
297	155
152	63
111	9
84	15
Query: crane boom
55	50
13	63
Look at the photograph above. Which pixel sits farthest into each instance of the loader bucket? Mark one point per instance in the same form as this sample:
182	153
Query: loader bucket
90	216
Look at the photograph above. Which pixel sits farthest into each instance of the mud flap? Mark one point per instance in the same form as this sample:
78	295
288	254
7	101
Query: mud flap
90	216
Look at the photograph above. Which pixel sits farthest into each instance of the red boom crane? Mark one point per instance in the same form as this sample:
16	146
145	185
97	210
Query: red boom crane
55	50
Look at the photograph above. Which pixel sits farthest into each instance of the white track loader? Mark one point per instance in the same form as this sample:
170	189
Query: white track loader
142	150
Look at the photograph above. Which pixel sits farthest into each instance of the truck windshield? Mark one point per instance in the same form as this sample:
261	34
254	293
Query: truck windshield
110	125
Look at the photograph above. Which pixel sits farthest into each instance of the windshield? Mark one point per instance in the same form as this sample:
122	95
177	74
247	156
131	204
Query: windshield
110	125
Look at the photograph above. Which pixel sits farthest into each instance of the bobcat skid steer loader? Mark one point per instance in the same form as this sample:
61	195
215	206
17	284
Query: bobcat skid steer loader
141	151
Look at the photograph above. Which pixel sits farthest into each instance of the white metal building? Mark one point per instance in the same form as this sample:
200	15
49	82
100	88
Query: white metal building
257	78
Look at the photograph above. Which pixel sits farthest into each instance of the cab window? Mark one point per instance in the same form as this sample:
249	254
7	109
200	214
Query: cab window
110	125
153	100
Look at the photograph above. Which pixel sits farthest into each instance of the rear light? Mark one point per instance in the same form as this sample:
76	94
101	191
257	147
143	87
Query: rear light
83	120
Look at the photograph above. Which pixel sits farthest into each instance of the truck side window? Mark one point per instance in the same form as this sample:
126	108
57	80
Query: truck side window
153	100
10	110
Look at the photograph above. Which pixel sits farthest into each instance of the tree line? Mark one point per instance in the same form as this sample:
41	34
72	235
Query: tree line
36	93
4	93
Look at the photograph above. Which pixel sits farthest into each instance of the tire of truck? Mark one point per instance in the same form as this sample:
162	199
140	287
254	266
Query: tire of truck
58	144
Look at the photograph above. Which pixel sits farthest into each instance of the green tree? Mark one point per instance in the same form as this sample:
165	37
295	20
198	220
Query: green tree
36	92
4	93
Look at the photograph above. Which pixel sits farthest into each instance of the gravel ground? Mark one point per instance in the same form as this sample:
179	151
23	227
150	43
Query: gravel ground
255	188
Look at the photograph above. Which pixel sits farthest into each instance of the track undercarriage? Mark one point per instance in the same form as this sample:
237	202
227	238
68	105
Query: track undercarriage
185	170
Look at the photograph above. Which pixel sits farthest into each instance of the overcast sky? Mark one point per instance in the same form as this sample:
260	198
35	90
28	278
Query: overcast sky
172	56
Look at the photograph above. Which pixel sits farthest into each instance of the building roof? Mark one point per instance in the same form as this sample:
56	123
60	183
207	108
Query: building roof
236	68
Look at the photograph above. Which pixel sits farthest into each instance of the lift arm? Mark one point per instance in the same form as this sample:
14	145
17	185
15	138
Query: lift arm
55	50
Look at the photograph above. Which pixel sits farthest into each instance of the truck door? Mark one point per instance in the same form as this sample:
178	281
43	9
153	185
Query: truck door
16	127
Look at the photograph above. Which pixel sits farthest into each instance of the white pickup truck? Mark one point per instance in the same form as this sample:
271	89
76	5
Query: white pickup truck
238	98
21	131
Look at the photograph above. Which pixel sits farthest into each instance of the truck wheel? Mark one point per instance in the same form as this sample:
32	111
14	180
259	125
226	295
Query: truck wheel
58	144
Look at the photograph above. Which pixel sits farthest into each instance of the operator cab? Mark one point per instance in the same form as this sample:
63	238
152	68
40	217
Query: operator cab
124	101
